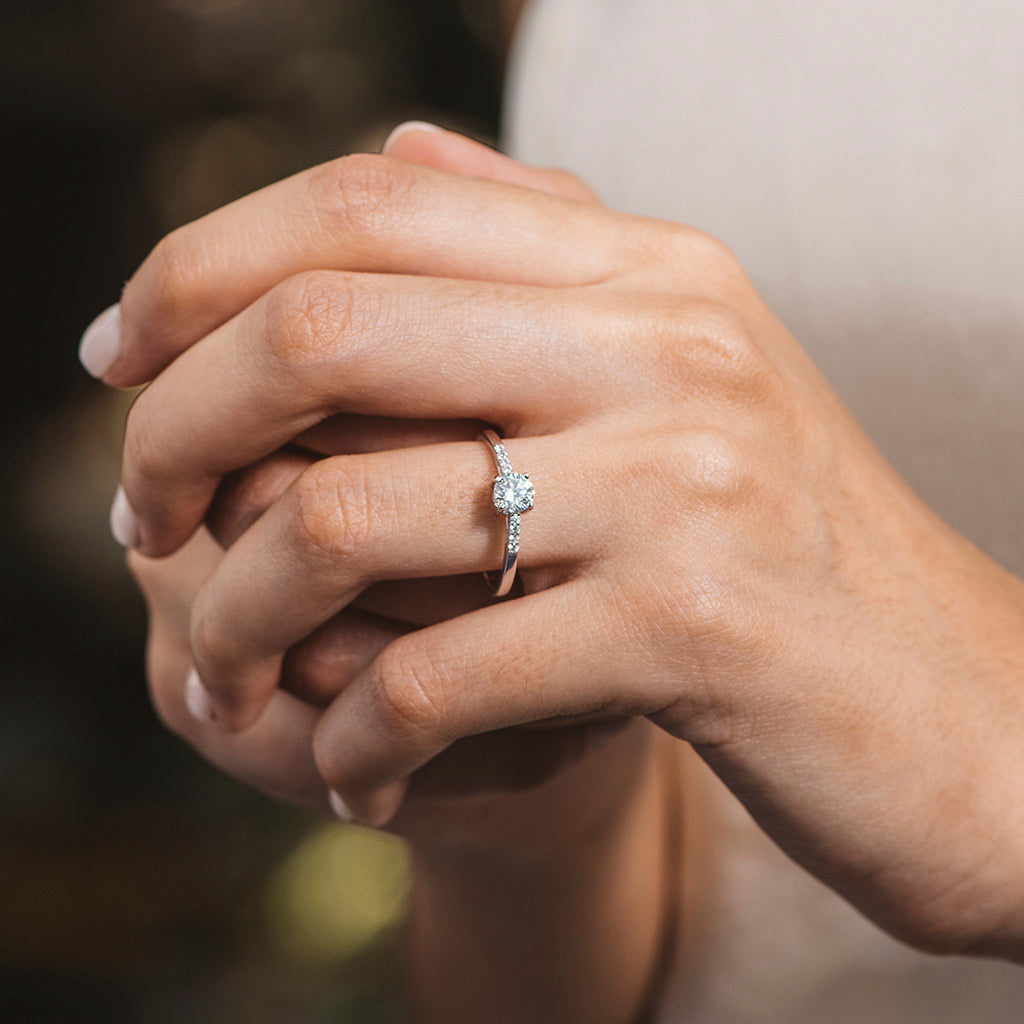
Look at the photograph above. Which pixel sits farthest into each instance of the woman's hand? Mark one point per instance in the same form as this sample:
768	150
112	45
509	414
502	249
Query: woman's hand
715	544
516	778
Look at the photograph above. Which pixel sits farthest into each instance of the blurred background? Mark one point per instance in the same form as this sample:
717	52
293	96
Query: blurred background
136	883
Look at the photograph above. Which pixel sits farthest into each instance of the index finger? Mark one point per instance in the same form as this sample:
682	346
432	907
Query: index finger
366	213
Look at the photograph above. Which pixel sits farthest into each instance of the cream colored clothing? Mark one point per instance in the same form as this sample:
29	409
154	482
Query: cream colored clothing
866	163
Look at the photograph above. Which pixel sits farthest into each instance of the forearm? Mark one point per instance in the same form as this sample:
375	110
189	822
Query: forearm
577	931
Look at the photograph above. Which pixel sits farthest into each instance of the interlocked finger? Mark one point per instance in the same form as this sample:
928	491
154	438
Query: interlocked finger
548	655
352	520
331	343
364	213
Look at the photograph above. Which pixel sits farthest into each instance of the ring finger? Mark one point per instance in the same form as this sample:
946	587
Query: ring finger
352	520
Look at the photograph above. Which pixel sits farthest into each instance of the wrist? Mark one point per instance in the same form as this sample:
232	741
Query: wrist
576	927
576	807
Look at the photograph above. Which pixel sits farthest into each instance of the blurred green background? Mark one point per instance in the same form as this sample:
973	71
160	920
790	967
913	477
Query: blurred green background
136	883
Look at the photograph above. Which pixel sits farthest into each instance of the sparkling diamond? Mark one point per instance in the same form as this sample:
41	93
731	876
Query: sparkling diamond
513	493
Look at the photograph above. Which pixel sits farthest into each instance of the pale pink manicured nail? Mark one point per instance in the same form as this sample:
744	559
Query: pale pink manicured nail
197	699
339	806
408	126
101	344
124	524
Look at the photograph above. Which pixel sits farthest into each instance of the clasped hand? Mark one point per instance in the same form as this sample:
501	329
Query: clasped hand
715	544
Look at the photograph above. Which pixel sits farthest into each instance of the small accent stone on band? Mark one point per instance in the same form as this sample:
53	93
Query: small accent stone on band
513	533
501	458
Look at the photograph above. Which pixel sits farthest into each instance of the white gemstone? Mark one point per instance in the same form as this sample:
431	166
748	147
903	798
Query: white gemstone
513	493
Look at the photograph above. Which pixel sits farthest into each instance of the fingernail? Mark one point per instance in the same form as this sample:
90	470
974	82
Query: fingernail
197	699
339	806
101	343
124	524
408	126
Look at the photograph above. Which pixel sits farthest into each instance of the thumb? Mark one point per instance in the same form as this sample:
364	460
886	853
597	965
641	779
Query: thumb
422	143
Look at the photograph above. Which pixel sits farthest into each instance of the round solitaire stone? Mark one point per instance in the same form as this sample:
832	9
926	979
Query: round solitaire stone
513	493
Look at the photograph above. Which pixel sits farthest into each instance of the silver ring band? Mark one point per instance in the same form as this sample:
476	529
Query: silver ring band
512	495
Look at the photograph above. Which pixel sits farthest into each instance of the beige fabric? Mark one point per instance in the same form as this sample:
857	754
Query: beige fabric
866	162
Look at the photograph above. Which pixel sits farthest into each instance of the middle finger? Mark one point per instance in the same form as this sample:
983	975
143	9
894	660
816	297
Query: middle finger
329	343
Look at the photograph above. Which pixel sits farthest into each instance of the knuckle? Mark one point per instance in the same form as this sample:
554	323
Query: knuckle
312	320
707	348
218	653
241	498
689	254
654	244
719	468
329	760
177	272
715	636
682	625
702	252
702	716
572	186
713	467
316	672
708	351
409	691
719	330
332	509
144	458
362	192
712	252
206	641
244	495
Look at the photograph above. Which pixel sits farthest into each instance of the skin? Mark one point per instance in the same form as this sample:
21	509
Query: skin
716	549
524	842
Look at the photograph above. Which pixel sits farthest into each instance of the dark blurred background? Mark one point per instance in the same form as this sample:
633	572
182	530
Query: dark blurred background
136	883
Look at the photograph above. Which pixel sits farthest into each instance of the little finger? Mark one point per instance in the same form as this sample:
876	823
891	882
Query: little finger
550	655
